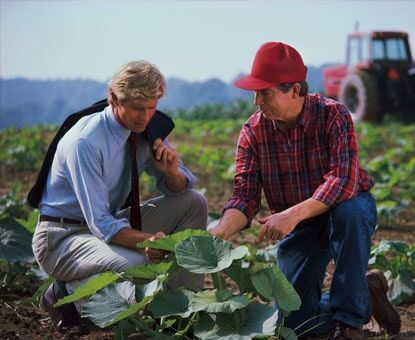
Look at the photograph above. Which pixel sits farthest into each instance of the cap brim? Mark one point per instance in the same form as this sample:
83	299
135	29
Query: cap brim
253	84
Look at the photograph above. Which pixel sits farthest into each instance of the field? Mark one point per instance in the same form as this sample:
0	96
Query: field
205	138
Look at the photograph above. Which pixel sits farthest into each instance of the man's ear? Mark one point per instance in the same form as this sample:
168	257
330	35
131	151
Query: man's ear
296	90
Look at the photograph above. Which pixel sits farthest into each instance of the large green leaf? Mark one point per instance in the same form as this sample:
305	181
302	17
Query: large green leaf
125	313
118	301
254	320
15	242
218	301
401	288
171	302
288	333
90	288
272	285
102	307
149	271
206	328
144	294
207	254
241	276
169	242
42	289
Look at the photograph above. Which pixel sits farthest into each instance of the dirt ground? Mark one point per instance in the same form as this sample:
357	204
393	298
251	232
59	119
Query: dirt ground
20	320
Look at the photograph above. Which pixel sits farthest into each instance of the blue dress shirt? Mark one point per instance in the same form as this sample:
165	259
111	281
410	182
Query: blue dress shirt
90	177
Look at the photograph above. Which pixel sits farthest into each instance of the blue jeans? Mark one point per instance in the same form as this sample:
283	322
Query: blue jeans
344	234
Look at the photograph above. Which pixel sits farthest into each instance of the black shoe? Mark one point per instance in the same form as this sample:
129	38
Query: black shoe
64	317
384	313
345	332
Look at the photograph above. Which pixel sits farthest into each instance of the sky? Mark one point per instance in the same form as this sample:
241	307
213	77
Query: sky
192	40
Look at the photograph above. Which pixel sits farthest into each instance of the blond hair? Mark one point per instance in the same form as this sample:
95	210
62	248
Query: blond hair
136	80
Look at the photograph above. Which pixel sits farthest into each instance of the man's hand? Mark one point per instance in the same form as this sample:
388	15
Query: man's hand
166	158
155	255
277	226
232	221
220	230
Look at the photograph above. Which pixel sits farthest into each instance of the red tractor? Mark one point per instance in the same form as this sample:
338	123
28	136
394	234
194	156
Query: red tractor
378	77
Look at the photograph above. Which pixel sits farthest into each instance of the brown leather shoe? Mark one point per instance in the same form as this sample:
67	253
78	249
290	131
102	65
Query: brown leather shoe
384	313
66	316
345	332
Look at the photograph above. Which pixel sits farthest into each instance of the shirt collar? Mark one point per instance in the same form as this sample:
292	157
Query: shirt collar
119	132
305	115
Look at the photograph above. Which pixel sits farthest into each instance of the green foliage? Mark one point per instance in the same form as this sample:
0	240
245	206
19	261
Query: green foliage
172	302
103	306
401	288
273	286
388	153
31	221
235	110
169	243
12	206
93	286
23	149
396	256
149	271
218	301
397	260
15	242
254	320
208	313
206	254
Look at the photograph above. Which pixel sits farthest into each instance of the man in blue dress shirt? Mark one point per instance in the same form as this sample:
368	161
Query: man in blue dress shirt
89	181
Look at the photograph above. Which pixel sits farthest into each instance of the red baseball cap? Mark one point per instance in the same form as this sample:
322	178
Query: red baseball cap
275	63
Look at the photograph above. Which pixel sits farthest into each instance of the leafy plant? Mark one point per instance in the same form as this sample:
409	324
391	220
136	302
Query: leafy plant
15	242
23	149
152	309
397	259
12	206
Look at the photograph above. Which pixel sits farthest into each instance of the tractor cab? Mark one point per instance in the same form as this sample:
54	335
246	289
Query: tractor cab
377	77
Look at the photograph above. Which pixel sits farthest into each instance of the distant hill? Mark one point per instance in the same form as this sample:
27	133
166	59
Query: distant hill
25	102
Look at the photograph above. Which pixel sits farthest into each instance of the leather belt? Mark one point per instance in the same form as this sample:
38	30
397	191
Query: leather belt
47	218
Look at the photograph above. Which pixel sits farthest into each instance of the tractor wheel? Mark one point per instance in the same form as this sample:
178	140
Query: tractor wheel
359	92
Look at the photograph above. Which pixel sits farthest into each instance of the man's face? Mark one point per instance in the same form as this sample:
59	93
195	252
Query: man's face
136	115
274	103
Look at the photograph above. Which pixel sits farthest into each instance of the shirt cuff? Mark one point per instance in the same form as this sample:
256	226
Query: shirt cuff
249	212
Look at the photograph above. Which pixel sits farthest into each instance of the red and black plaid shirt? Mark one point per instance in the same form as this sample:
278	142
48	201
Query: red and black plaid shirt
318	159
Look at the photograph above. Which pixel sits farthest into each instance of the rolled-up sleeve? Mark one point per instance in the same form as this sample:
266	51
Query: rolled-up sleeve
246	195
341	182
83	169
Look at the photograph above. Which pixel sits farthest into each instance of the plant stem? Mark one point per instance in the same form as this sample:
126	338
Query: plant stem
218	279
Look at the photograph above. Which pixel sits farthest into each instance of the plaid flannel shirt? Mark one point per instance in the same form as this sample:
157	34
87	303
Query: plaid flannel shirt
318	159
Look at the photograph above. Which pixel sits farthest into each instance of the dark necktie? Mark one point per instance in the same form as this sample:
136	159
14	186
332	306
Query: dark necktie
135	214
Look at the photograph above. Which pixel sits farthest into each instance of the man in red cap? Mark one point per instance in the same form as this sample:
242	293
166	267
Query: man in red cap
301	150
